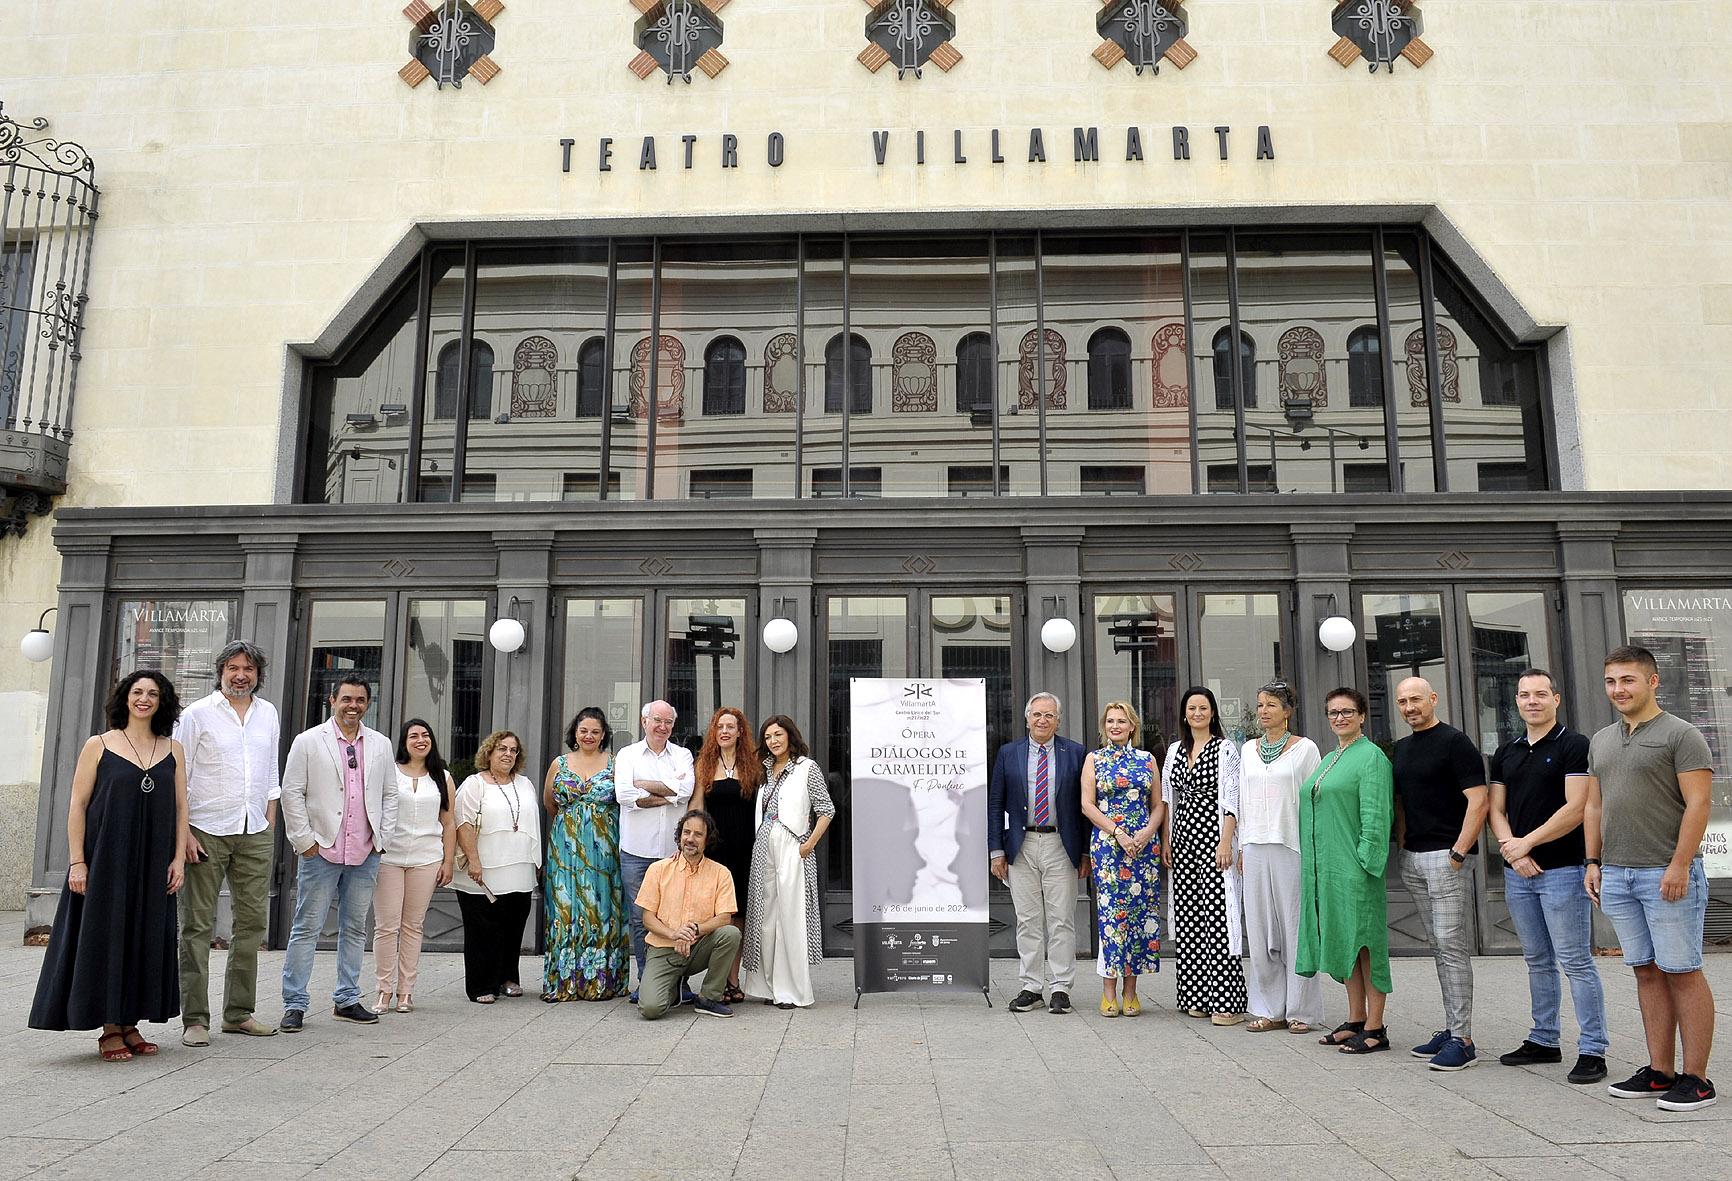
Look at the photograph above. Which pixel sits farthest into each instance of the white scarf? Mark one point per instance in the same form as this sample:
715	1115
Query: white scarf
793	797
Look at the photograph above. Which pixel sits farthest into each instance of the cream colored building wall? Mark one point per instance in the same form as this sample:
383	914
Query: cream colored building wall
259	161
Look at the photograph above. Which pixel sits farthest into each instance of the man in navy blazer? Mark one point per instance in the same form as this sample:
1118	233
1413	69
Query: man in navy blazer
1039	845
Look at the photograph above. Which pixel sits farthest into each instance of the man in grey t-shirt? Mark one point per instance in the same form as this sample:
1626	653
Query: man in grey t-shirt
1651	774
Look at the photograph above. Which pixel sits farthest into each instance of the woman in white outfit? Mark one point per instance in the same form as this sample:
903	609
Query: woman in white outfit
1273	768
420	852
784	924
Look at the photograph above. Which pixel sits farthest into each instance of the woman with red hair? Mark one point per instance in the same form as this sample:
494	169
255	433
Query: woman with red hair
728	775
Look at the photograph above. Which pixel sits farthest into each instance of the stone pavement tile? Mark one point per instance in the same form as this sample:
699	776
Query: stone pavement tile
588	1100
1640	1162
1261	1162
1233	1109
740	1045
1030	1160
1552	1108
642	1143
778	1155
892	1062
878	1157
227	1170
151	1098
1153	1135
1169	1172
623	1038
802	1101
174	1145
21	1156
461	1165
981	1101
1545	1168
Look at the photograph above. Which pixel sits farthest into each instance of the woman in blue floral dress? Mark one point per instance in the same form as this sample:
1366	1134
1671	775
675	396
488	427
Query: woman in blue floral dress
1120	797
588	940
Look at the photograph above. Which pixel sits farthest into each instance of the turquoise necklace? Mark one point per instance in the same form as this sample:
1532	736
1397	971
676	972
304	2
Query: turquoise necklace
1270	752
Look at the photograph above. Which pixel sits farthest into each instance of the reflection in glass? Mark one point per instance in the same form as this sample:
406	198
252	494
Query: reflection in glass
1301	297
604	664
1403	638
359	436
705	664
1511	631
1241	652
1407	345
864	637
1217	428
1023	368
971	636
441	381
628	385
822	439
343	637
1136	660
442	675
180	638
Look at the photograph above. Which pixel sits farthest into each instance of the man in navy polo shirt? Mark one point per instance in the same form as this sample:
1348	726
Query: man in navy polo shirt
1539	793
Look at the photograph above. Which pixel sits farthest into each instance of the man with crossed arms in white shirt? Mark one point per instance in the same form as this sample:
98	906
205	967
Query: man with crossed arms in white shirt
653	781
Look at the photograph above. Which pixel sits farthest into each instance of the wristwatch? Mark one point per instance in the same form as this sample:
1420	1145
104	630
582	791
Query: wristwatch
1593	861
1458	858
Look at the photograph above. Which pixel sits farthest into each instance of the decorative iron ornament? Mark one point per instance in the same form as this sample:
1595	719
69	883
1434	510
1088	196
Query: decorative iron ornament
46	153
1380	31
678	35
452	40
1144	32
910	33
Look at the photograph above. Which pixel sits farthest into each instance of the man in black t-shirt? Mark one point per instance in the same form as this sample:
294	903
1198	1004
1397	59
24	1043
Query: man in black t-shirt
1440	807
1539	792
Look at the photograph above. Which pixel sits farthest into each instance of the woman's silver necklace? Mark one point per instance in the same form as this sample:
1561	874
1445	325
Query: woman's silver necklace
146	784
512	803
727	767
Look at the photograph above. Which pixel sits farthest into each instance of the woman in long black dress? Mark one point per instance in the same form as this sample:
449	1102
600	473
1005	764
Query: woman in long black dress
728	775
111	957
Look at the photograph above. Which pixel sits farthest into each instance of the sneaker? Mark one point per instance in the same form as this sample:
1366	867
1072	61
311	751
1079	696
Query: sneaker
1059	1004
1531	1054
1455	1055
356	1012
1026	1000
1646	1083
291	1022
712	1008
1689	1093
634	996
687	996
1434	1047
1590	1068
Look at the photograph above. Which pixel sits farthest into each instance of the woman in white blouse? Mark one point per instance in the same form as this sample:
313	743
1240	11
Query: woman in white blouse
499	834
419	852
1273	768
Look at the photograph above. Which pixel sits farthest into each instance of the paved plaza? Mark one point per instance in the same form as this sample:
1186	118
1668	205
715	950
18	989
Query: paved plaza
909	1086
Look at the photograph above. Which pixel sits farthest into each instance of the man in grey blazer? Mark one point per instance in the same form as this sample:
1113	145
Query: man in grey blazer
339	803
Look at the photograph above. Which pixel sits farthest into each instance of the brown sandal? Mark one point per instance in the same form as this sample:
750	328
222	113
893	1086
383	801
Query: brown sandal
119	1053
141	1046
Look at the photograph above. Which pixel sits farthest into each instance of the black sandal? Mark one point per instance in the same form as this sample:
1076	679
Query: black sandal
1360	1043
1351	1028
733	996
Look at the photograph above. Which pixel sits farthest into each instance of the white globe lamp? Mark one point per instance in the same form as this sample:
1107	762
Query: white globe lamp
37	645
1058	635
1337	633
506	635
780	635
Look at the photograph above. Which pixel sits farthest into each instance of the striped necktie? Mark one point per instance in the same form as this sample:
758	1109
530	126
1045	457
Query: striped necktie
1042	793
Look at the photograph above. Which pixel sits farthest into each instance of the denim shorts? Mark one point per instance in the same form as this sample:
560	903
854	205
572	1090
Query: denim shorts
1652	930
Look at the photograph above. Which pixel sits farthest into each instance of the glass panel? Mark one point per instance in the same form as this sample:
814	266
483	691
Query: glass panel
1511	631
540	314
343	637
728	314
1403	638
822	445
1494	434
1020	365
1211	350
628	399
179	638
864	637
439	398
971	636
915	302
1241	651
604	663
1300	299
1118	305
1136	660
1407	344
1690	635
705	664
442	675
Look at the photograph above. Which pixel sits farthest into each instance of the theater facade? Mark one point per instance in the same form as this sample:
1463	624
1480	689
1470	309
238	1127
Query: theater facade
1096	348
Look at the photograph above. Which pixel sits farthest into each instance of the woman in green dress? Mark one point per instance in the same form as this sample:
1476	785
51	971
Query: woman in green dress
1345	809
588	940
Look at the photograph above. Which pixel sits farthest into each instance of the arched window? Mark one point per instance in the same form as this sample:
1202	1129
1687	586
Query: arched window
1224	373
591	379
1365	367
859	375
445	382
725	377
1109	370
974	373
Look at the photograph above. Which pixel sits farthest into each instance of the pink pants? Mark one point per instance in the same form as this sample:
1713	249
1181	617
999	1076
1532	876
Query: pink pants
400	903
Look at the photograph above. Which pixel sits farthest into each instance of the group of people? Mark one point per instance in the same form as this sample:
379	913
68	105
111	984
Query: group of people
169	804
1275	856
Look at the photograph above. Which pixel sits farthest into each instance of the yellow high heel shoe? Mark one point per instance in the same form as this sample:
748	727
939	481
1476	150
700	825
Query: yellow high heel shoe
1109	1006
1132	1006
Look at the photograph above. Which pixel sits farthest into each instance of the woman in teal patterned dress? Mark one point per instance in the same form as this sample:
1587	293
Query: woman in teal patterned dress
588	941
1121	798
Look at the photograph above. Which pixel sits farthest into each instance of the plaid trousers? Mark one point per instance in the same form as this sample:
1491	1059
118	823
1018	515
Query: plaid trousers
1443	897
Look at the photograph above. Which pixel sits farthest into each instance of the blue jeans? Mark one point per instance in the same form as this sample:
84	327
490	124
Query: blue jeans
1652	930
1554	918
317	882
631	871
